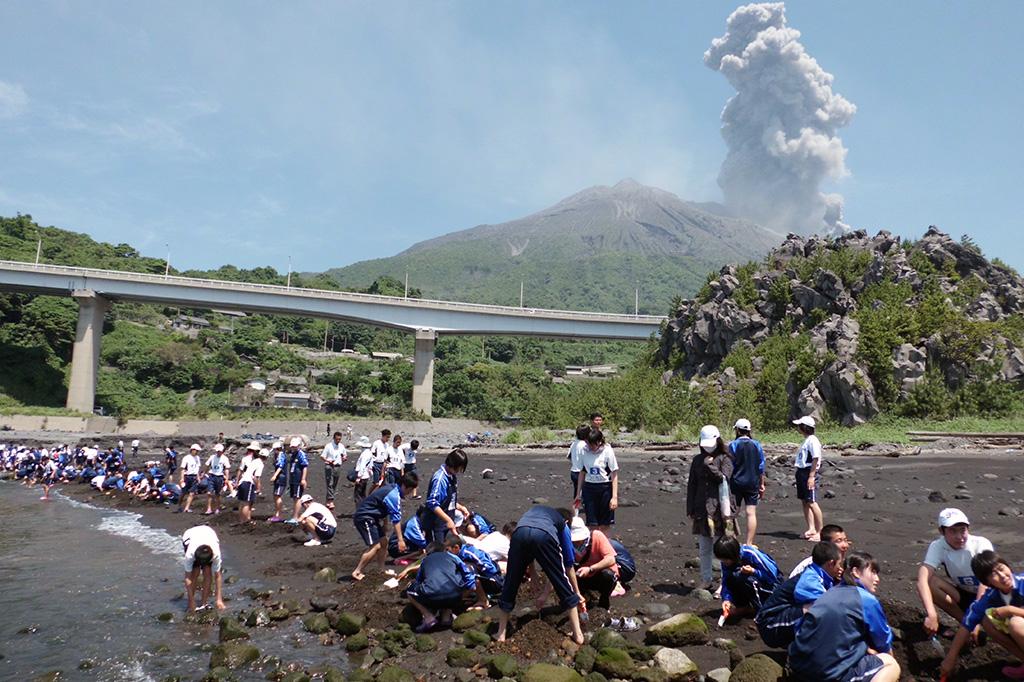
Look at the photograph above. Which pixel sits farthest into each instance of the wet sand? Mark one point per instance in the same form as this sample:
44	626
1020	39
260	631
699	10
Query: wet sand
882	502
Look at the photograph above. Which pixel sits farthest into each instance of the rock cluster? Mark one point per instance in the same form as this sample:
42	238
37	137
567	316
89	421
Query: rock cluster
731	313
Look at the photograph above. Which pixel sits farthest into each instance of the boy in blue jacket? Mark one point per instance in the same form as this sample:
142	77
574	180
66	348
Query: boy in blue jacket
380	507
749	576
489	578
747	480
439	586
1000	611
780	617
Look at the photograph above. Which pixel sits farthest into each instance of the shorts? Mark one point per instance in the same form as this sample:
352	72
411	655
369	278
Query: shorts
246	492
597	499
296	490
802	491
492	585
965	599
778	629
191	483
410	468
437	602
393	476
324	532
746	497
369	530
865	669
216	484
280	485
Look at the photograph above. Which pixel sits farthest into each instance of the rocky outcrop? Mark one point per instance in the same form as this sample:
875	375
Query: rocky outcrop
821	287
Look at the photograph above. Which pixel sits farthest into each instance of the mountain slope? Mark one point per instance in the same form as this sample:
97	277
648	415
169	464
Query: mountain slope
589	251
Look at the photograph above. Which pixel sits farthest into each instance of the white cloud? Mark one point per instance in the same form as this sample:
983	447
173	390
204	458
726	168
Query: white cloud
13	100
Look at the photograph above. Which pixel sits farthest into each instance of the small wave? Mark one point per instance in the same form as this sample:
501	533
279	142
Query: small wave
73	502
127	671
127	525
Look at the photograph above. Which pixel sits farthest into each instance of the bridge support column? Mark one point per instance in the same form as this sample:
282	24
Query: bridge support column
85	357
423	372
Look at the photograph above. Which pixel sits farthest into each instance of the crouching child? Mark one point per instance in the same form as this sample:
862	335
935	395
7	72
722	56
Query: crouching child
749	576
439	586
779	618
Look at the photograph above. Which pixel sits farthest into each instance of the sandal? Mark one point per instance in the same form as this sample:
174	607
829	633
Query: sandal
426	626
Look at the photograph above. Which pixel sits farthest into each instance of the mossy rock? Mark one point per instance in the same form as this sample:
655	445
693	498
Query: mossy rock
639	652
279	614
501	666
332	674
584	659
401	634
650	675
347	623
219	674
549	672
757	668
316	623
258	617
231	629
86	664
326	575
296	608
166	617
51	676
360	676
475	638
395	674
595	677
467	621
614	663
357	642
233	655
683	629
460	657
379	654
425	643
295	676
607	638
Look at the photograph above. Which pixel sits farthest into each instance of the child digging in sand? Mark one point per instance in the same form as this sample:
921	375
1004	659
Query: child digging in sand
438	588
371	518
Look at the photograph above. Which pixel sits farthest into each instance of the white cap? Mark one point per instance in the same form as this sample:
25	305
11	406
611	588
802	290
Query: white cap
305	498
276	445
195	446
295	442
263	452
742	424
805	421
364	442
709	436
255	445
951	517
578	530
219	447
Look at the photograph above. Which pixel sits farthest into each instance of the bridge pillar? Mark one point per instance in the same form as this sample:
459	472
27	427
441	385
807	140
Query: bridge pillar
85	357
423	372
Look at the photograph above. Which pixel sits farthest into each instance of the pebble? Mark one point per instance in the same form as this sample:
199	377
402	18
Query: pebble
962	495
828	495
1010	511
703	595
541	500
655	610
990	477
869	495
936	496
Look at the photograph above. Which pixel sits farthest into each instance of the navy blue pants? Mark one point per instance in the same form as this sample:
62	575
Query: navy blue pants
526	546
778	628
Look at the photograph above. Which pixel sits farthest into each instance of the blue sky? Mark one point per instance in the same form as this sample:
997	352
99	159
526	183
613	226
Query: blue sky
248	132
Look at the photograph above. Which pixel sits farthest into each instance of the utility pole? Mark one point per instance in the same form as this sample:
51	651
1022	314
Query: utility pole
39	249
167	261
288	283
327	328
407	284
520	293
636	301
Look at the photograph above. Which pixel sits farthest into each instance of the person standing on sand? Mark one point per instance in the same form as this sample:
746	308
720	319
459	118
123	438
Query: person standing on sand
747	480
371	517
333	455
543	535
575	460
250	483
364	470
808	464
598	486
706	506
202	556
217	471
189	478
279	479
379	450
298	465
395	464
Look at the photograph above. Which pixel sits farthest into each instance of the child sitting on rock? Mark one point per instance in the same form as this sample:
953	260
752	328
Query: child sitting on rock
749	576
779	618
439	585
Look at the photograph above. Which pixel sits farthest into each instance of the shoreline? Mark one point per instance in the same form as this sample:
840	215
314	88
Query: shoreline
894	523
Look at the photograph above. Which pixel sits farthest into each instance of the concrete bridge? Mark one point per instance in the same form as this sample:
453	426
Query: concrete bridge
95	289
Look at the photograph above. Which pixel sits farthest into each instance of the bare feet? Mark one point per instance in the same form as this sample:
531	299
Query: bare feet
358	575
813	538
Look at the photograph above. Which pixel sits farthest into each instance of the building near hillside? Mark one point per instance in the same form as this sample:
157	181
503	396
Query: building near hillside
297	401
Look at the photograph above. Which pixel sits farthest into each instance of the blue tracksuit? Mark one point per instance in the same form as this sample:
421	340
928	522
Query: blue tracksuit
481	561
747	465
384	502
482	523
750	590
780	617
837	632
412	535
443	492
994	599
442	575
542	535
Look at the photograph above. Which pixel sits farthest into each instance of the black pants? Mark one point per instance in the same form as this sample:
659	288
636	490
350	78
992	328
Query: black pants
331	475
602	582
526	546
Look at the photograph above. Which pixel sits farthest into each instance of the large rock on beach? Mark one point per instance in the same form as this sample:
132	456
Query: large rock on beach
233	655
756	668
460	657
501	666
607	638
682	629
326	575
347	623
614	663
357	642
395	674
468	620
676	665
316	623
258	617
231	629
549	672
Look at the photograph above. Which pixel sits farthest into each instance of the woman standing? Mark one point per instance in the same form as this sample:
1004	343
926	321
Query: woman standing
706	506
598	486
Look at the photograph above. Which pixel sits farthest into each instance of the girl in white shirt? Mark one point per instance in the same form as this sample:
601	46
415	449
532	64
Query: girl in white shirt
599	481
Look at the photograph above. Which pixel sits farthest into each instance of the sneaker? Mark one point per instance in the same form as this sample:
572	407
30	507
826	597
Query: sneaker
426	626
275	519
628	624
1014	672
312	542
292	522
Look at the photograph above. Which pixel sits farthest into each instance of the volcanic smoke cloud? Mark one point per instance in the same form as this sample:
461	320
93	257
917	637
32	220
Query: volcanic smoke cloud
780	126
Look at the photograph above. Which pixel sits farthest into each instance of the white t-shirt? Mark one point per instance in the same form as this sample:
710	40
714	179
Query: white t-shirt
575	450
957	562
97	481
364	468
495	544
408	453
218	464
379	450
334	453
90	454
396	458
190	464
135	443
810	449
317	510
251	470
196	537
598	465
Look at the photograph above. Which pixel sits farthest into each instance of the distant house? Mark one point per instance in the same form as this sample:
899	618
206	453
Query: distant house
378	355
302	401
292	381
229	313
590	370
256	384
190	322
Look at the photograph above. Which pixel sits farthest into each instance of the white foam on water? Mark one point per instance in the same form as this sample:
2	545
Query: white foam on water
73	502
127	525
127	671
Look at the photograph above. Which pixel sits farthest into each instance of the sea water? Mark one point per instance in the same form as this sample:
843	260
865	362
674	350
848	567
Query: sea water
81	587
